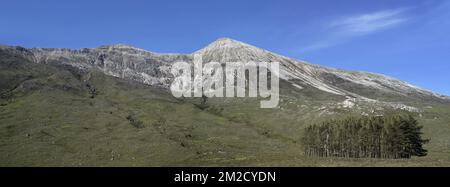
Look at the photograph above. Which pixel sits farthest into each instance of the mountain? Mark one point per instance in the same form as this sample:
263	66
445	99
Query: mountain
154	69
110	106
330	80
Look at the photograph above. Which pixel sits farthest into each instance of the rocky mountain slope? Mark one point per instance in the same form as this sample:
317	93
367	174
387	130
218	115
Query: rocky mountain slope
154	69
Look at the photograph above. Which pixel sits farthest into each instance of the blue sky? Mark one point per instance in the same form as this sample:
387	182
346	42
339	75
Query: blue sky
406	39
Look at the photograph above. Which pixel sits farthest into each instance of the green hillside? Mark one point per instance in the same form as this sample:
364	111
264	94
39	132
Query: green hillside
55	115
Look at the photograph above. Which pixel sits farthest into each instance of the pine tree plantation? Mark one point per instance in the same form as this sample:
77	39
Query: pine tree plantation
391	137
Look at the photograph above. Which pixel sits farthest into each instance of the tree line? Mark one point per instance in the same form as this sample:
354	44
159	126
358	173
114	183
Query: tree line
392	137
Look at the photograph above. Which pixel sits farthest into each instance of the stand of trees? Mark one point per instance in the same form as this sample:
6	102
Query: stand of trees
391	137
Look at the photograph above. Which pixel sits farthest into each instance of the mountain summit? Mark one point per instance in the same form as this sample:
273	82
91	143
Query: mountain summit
226	43
229	50
120	47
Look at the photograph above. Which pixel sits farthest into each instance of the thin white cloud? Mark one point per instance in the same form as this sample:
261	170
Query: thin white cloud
344	29
369	23
317	45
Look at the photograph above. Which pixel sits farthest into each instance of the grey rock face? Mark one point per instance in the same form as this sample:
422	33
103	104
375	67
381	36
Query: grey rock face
117	60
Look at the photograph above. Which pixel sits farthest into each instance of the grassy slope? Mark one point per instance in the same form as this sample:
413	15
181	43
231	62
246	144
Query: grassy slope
49	119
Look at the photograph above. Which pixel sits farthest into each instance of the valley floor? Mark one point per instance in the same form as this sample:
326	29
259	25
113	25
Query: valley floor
56	129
